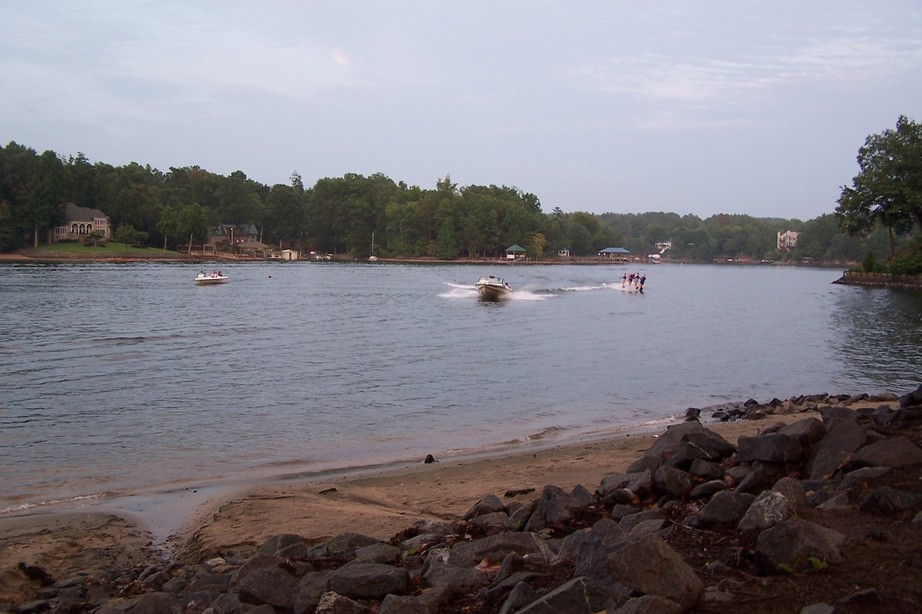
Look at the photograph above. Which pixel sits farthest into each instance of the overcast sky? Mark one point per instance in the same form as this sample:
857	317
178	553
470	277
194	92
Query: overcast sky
700	107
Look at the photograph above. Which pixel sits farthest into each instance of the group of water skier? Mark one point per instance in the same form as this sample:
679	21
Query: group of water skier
635	280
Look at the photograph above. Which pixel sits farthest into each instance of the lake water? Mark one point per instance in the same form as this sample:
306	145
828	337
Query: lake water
120	379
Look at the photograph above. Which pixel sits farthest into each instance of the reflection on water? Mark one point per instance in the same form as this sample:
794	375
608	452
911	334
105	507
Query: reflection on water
880	335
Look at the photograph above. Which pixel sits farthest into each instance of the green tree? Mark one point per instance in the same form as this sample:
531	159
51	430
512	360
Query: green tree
193	221
446	247
168	225
44	195
888	188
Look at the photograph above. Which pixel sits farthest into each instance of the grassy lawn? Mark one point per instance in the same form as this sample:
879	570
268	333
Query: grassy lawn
78	249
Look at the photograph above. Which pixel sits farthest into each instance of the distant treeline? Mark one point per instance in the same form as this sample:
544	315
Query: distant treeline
348	214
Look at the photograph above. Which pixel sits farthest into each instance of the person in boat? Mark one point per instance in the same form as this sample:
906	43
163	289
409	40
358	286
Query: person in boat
623	279
643	280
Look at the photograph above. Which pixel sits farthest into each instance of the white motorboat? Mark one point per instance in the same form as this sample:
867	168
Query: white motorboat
492	288
210	279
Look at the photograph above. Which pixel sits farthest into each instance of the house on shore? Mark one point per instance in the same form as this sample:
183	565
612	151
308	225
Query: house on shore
515	252
615	254
81	222
787	240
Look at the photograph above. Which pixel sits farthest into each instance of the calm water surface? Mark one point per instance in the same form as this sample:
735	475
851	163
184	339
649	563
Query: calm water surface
118	379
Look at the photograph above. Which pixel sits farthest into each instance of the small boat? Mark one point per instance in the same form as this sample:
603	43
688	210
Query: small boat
492	288
203	279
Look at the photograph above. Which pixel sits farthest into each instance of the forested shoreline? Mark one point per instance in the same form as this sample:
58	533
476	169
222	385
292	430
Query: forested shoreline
350	214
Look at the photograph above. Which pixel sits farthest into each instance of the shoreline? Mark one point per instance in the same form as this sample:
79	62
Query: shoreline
378	501
172	517
167	511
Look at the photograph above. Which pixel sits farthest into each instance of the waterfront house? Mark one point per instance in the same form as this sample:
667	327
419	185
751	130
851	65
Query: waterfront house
80	223
615	254
515	252
787	240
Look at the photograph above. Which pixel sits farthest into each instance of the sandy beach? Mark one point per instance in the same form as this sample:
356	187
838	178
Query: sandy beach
377	503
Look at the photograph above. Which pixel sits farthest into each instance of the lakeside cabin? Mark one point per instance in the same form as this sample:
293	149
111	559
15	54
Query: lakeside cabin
515	252
615	254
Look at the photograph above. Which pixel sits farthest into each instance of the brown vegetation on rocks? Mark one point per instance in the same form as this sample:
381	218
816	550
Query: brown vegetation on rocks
818	514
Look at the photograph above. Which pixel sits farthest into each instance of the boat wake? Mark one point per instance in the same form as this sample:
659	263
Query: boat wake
466	291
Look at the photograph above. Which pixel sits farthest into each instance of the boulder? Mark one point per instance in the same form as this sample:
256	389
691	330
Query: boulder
487	505
892	452
638	483
708	489
890	500
496	547
344	545
649	565
377	553
702	444
604	537
579	595
270	585
556	507
333	603
769	508
369	580
843	438
911	399
725	508
650	604
286	546
772	448
672	481
798	545
454	578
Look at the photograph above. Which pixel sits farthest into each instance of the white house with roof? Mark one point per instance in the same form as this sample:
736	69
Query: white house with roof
81	222
787	240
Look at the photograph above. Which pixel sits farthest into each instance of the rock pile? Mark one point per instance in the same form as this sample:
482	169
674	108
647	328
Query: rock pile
695	524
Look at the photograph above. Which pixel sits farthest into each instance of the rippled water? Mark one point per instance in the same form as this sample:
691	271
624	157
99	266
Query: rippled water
122	378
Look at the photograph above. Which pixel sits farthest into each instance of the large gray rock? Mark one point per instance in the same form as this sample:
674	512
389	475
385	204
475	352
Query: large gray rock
310	589
333	603
672	481
578	596
649	565
650	604
603	538
771	448
488	505
890	500
911	399
285	546
638	483
454	578
369	580
808	431
793	490
630	521
725	508
891	452
344	545
403	604
496	547
271	585
843	438
680	445
769	508
557	507
791	545
377	553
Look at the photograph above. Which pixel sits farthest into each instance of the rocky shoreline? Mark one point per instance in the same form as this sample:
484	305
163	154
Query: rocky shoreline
819	513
